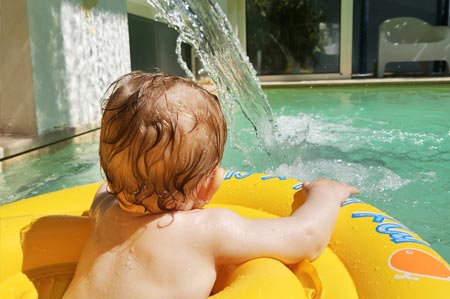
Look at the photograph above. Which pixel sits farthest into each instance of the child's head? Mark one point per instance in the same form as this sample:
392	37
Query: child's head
162	139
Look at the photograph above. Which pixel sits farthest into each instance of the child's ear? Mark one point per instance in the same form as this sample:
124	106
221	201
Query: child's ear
210	186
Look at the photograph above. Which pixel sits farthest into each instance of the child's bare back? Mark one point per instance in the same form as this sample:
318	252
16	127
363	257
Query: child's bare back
151	237
143	256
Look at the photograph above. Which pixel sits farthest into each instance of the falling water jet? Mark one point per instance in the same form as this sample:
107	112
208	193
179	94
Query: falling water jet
204	26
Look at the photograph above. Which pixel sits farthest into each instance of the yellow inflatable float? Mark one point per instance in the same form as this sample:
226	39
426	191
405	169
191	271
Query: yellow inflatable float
371	255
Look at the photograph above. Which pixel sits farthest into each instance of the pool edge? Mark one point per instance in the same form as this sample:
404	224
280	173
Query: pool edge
14	147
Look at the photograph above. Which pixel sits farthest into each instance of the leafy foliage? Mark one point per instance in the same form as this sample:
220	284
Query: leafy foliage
285	31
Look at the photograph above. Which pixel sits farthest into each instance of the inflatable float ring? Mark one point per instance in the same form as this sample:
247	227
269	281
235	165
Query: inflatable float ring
370	255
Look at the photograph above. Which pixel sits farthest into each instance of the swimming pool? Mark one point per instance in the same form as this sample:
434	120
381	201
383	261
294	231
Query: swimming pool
392	142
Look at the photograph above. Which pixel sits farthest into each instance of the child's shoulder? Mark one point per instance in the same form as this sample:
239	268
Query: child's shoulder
209	223
102	201
201	222
213	215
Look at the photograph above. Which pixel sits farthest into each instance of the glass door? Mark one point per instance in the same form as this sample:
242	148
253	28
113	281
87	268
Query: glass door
297	40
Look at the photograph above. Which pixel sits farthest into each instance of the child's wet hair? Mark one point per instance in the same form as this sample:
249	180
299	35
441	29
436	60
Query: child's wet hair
160	136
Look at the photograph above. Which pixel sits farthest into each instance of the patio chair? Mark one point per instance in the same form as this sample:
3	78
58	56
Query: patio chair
411	39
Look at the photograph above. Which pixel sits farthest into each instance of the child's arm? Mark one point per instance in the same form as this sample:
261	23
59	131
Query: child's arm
303	235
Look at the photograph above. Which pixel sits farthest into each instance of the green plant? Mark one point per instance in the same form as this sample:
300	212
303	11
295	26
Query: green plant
286	32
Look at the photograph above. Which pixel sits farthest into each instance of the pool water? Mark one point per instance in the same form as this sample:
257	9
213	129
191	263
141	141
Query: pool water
391	142
74	164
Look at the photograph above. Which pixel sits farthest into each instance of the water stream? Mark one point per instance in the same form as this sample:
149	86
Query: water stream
204	26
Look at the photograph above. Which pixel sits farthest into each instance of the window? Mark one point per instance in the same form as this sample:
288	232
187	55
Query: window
294	37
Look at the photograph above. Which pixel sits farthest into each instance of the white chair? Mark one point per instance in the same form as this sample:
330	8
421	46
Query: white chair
411	39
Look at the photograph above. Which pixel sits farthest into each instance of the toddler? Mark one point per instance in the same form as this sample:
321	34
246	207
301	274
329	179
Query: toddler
161	142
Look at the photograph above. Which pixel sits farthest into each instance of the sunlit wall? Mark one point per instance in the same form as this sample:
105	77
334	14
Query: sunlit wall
77	49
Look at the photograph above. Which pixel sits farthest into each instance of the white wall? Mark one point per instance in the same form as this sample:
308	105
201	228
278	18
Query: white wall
78	48
16	80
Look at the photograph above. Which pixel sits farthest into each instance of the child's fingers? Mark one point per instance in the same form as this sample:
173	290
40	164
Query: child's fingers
354	190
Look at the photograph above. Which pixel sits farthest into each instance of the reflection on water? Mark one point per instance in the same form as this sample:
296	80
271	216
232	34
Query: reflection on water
74	164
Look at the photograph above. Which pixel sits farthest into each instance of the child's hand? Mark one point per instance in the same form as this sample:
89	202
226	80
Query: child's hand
329	189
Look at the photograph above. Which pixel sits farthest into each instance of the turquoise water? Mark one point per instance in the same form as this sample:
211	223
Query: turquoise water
74	164
391	142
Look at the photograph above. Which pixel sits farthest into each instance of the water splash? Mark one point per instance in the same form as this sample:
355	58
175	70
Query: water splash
204	26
